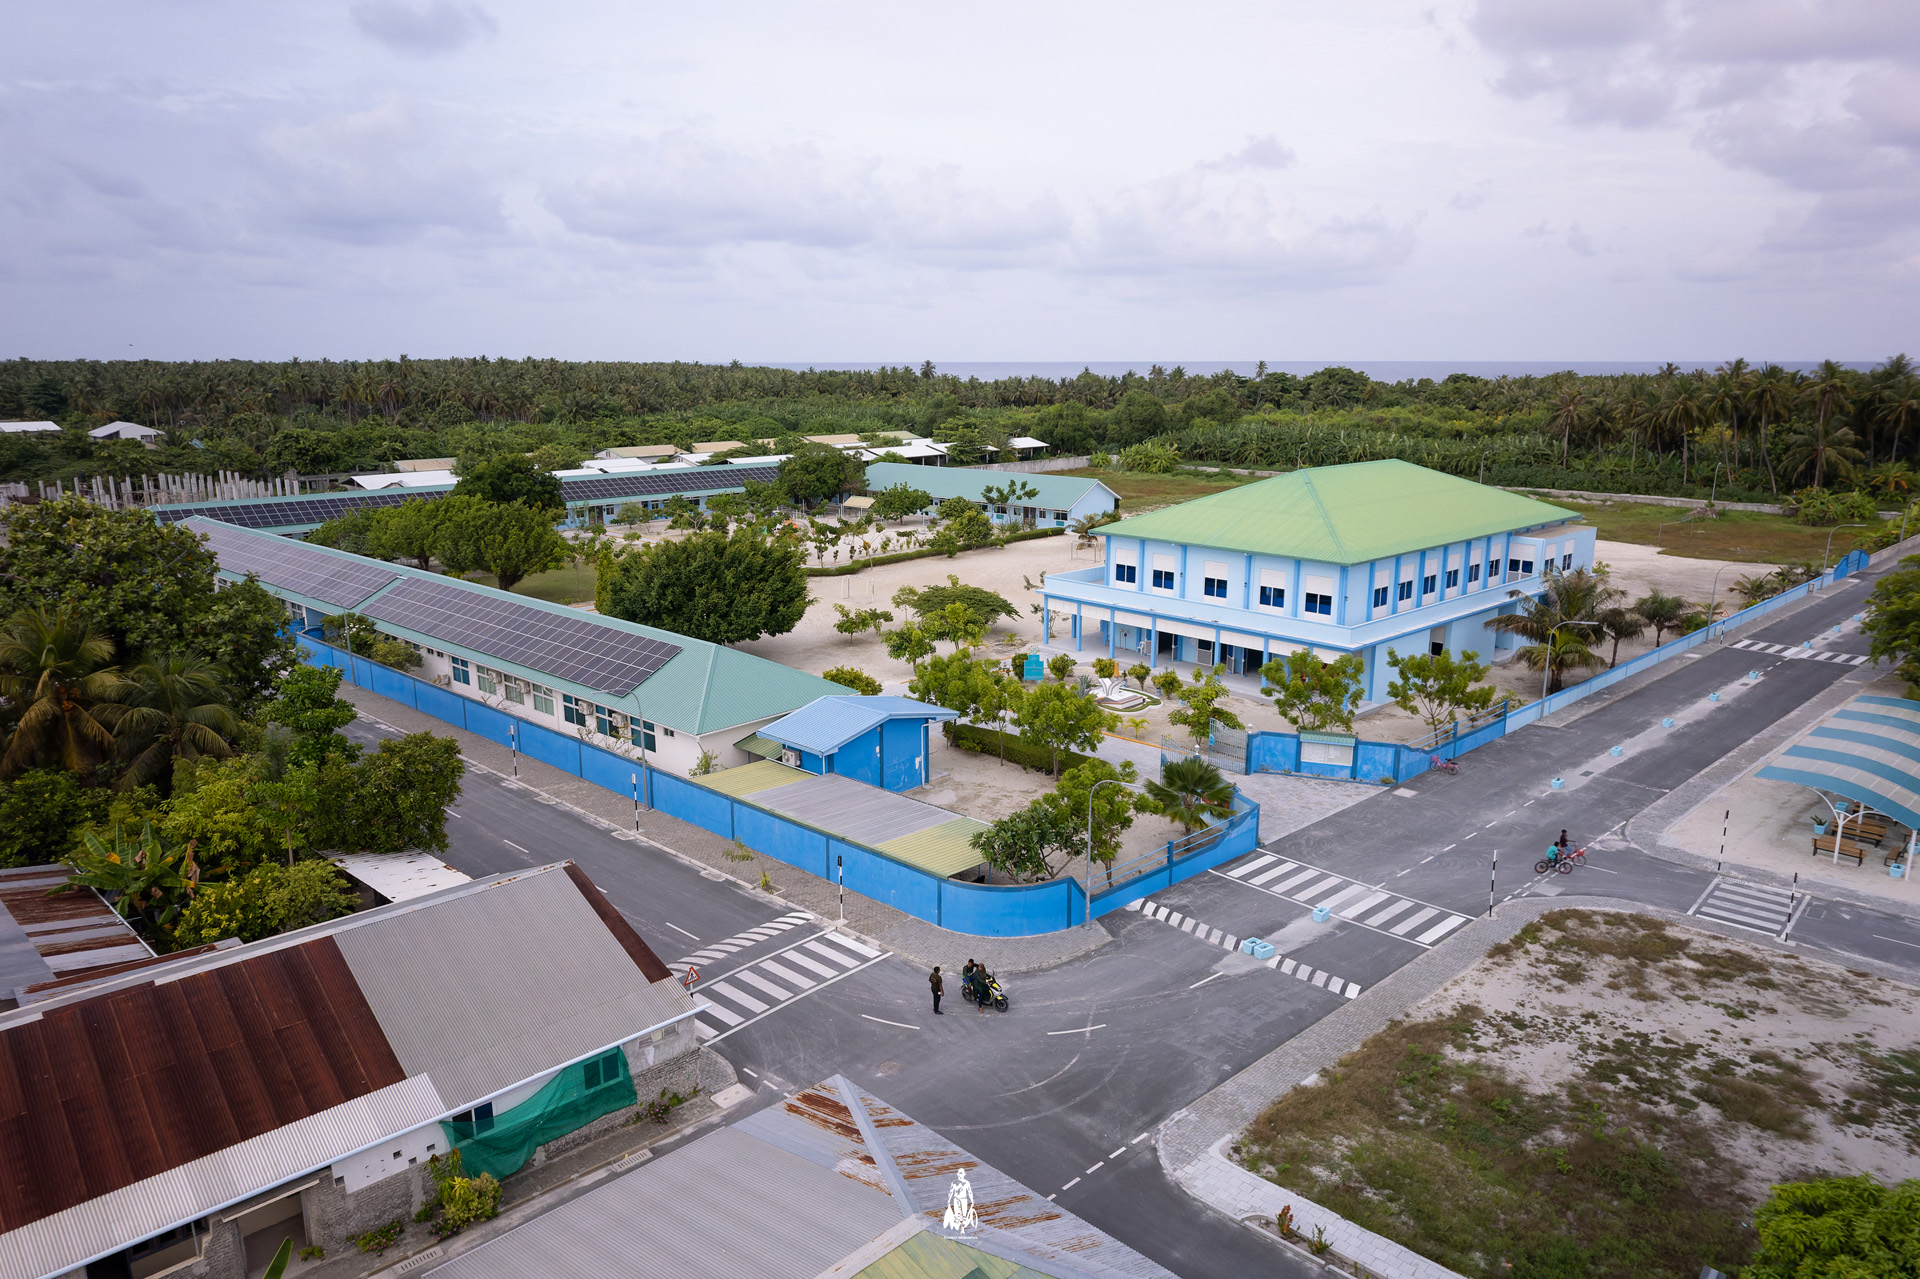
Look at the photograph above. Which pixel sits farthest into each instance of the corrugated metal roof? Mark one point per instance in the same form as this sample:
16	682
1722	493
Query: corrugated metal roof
946	849
99	1091
1351	514
765	748
751	779
852	810
400	877
117	1217
1059	492
482	989
825	725
1867	751
65	935
726	1206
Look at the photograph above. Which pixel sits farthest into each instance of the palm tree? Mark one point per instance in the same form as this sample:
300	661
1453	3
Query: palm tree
54	675
1771	402
170	706
1578	596
1756	587
1663	613
1189	791
1570	413
1823	444
1831	390
1616	624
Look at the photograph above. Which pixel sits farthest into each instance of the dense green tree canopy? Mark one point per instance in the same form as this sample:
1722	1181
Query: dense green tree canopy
713	586
511	477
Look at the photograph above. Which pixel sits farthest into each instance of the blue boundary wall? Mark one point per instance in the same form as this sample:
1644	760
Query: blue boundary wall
986	910
1372	761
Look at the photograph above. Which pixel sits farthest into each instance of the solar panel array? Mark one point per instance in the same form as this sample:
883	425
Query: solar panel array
565	646
320	507
295	566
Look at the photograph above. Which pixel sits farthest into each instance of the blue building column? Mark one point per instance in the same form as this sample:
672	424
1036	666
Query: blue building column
1079	630
1153	642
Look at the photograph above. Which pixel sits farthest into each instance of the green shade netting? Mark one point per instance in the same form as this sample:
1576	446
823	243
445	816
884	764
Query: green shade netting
564	1103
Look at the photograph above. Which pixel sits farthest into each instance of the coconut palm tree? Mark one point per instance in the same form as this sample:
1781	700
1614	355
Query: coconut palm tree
1824	445
55	674
1663	612
1578	596
1616	624
170	706
1189	791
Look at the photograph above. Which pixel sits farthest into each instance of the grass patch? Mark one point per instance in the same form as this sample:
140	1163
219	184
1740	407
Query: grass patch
1448	1156
570	585
1140	491
1750	536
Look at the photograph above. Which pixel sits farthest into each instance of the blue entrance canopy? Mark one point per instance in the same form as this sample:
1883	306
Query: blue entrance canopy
1867	751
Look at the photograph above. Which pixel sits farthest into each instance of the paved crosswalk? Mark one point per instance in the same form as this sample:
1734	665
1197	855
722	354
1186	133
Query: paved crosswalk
1754	906
744	995
1799	652
719	950
1227	941
1385	912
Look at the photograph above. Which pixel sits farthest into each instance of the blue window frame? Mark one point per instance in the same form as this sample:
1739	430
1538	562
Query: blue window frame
1406	590
1125	573
1453	578
1473	573
1315	603
1428	582
1214	586
1379	597
643	734
1163	579
462	673
1493	570
574	709
603	722
1273	597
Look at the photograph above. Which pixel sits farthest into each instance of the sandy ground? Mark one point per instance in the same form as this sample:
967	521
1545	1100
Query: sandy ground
1769	825
1719	1008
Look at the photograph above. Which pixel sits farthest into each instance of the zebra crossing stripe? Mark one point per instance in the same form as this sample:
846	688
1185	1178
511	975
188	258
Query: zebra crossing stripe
1331	881
1339	897
1263	860
1374	921
1413	921
1360	907
785	974
737	995
812	966
1274	873
1440	930
1290	884
836	956
715	1010
760	983
858	948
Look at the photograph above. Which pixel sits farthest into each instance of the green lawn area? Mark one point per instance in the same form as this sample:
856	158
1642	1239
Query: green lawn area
571	585
1140	491
1751	536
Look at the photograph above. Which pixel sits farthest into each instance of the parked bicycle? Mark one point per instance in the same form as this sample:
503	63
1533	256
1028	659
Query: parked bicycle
1442	764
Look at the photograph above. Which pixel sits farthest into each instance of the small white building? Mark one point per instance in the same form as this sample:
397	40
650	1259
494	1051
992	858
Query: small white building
29	428
127	431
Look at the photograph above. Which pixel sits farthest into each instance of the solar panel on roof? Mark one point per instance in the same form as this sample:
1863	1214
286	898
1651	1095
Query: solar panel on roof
294	566
321	507
573	648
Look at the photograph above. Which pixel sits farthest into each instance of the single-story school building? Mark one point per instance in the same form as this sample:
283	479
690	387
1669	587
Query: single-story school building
1057	501
616	683
1340	559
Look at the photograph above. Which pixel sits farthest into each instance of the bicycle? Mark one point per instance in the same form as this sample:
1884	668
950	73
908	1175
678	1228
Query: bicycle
1447	766
1562	862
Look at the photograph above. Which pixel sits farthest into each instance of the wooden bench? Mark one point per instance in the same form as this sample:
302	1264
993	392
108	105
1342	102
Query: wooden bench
1824	844
1871	828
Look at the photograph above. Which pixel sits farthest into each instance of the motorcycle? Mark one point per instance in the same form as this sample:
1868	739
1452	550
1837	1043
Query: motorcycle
996	997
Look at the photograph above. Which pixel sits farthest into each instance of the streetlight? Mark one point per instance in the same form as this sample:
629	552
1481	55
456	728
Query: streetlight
1087	887
1715	491
1829	552
1713	597
1547	673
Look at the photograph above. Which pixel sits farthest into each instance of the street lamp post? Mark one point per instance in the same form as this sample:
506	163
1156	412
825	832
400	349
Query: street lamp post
1086	888
1829	551
1713	598
1546	673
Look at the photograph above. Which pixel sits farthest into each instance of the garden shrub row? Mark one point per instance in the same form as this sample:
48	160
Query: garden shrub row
895	557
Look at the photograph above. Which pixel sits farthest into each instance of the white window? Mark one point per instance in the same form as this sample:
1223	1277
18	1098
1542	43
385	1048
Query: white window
542	699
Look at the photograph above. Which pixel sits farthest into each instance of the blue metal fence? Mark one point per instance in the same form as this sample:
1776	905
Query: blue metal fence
987	910
1392	761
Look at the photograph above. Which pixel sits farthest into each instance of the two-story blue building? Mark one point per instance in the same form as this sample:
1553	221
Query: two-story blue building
1338	559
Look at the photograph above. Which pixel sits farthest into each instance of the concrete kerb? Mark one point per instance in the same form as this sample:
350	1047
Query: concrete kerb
873	922
1191	1137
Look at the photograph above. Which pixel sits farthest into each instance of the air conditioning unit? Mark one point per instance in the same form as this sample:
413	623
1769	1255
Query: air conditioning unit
790	758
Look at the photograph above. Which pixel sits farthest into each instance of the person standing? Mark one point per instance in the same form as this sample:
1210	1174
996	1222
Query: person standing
939	988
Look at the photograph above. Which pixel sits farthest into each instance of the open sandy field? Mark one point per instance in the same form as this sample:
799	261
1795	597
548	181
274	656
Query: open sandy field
1610	1079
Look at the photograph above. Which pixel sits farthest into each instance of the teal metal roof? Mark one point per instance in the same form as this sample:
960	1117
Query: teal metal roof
1350	514
1059	492
701	689
1867	751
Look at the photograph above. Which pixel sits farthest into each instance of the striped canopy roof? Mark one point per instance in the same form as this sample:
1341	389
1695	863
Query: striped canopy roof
1867	751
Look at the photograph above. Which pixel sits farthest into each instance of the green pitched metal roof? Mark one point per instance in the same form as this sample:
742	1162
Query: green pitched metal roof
1057	491
1348	514
750	779
944	850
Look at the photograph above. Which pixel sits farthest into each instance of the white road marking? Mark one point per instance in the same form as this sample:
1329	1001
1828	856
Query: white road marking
1402	929
884	1022
1440	930
676	928
1264	859
510	844
1137	1140
795	957
836	956
737	995
721	1013
758	982
1116	1154
1069	1186
1204	980
1895	940
1096	1168
1079	1030
785	974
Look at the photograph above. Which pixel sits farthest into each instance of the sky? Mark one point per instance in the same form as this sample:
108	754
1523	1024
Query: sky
851	182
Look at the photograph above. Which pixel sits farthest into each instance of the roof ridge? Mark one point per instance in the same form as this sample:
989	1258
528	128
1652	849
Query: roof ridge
1325	517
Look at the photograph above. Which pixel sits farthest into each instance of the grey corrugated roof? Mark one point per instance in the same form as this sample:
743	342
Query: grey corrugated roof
486	988
726	1206
1055	491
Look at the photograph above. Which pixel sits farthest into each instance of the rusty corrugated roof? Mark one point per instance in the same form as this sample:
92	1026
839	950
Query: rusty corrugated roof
70	934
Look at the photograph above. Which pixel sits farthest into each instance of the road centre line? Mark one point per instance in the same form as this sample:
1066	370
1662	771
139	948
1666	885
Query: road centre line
1077	1030
1116	1154
1142	1137
1069	1186
1096	1168
676	928
510	844
1895	940
1204	980
884	1022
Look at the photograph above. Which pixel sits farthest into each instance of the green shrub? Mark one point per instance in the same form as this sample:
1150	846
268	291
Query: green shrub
857	680
378	1241
269	899
989	741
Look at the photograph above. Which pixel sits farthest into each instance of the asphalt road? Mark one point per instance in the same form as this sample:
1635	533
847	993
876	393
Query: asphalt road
1061	1090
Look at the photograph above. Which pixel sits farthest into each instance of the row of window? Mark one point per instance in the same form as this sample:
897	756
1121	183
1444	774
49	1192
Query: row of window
1312	602
608	722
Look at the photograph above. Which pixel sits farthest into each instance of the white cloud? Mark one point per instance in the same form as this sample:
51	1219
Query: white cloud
422	30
